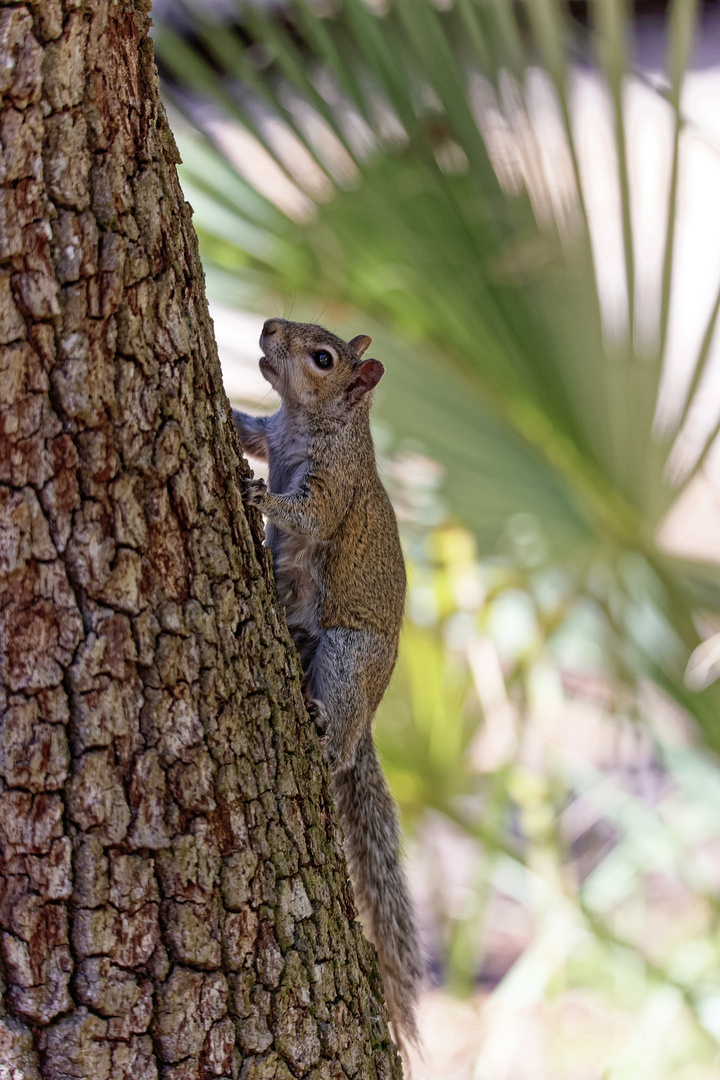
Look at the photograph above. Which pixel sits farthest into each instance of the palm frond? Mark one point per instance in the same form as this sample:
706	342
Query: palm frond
432	168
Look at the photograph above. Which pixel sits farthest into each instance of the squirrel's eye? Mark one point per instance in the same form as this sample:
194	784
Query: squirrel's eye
323	358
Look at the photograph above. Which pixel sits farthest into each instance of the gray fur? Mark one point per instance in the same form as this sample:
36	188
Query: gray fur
341	576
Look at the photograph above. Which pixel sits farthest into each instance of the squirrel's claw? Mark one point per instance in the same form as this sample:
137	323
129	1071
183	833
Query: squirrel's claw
254	491
318	714
337	754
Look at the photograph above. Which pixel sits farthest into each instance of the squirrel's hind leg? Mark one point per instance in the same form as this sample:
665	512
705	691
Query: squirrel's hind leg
345	681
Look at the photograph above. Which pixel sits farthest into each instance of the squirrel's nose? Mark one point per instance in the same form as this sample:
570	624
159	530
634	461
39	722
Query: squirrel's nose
271	326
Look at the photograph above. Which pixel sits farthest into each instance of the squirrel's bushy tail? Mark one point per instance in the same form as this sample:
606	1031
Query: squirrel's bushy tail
372	838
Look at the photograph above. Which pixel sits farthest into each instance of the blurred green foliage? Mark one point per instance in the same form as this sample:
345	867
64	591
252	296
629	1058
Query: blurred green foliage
588	804
486	300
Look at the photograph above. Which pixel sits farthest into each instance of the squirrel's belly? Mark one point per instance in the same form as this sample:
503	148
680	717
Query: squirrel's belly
297	584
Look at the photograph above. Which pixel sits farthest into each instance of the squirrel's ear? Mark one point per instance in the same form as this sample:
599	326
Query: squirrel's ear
360	344
367	377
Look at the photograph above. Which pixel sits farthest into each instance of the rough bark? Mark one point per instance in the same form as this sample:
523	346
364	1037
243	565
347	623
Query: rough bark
174	900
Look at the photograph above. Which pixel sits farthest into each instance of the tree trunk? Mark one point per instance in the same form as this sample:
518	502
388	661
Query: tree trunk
174	899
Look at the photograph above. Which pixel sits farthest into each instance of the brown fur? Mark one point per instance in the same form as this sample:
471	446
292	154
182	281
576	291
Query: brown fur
341	576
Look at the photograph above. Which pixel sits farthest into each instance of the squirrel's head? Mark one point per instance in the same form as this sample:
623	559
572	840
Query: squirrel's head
312	368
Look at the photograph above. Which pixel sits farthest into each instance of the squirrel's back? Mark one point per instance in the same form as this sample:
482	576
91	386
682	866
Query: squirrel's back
365	569
354	577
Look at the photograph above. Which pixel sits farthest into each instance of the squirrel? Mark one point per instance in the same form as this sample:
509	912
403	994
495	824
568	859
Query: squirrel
340	573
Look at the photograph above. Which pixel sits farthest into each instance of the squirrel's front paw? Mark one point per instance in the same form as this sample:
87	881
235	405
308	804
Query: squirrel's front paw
255	492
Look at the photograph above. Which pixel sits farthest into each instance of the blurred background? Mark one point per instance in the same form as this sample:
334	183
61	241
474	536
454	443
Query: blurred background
520	202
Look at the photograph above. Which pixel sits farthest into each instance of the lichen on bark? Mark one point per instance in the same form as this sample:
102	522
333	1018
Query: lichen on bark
174	900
